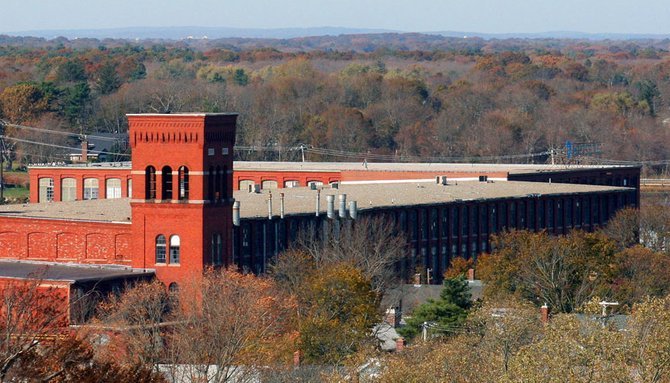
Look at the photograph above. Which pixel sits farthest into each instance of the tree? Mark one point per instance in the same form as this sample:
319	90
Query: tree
106	79
228	325
341	308
23	102
562	271
444	315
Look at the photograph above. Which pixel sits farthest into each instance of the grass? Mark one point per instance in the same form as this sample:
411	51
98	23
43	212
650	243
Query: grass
16	194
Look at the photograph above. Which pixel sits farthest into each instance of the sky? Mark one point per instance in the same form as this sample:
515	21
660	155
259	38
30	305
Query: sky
484	16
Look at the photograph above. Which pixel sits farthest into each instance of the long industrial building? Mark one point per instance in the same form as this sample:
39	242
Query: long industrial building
181	205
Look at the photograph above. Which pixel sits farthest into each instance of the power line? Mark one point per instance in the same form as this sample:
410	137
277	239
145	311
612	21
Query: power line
51	131
61	146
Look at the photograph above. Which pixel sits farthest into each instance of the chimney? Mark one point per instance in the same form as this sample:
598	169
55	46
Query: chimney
84	150
471	274
330	199
399	344
544	313
393	316
296	359
343	206
353	210
318	202
236	213
281	205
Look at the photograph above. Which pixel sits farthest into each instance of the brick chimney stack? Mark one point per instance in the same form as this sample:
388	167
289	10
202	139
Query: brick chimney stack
471	274
296	359
544	313
84	150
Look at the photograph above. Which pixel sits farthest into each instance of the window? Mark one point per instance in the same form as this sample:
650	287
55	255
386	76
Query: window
217	249
166	183
269	184
68	189
183	182
46	190
150	183
247	185
317	184
174	249
129	186
90	188
291	184
160	249
113	188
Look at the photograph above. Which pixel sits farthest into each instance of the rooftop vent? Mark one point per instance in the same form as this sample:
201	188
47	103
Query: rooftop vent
483	178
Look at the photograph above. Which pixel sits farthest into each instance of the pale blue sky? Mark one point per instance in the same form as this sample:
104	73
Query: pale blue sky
487	16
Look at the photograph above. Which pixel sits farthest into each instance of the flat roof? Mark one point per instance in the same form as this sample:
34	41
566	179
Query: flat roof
379	195
102	210
182	114
64	272
302	200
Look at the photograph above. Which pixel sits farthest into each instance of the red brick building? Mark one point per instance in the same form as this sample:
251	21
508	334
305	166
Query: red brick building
169	211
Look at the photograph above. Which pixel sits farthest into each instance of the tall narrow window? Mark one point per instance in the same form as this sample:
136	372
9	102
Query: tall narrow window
210	183
174	249
113	188
224	183
166	183
217	249
129	187
217	184
150	183
68	189
183	183
90	188
160	249
46	190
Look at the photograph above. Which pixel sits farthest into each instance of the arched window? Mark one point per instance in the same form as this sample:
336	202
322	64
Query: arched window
150	183
183	183
166	176
113	188
217	249
268	184
160	249
90	188
246	185
291	184
174	249
46	190
68	189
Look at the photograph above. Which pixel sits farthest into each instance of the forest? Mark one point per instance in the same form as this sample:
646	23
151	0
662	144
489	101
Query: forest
391	97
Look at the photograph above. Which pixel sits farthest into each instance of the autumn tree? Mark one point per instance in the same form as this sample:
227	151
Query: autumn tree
341	308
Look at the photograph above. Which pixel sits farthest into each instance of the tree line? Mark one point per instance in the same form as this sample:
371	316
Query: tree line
496	98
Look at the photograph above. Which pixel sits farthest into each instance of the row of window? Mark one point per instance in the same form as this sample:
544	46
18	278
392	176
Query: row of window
162	249
166	183
91	189
272	184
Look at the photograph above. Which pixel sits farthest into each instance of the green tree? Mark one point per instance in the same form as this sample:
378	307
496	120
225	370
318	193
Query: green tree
107	80
445	314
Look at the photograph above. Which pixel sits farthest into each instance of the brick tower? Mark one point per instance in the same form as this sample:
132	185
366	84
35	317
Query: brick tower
181	192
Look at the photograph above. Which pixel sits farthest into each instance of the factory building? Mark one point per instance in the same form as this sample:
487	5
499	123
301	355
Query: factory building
181	205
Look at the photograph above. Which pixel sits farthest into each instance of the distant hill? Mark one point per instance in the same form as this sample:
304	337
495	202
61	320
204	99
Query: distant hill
180	33
191	32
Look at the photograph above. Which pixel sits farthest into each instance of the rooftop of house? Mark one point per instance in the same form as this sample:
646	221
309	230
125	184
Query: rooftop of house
74	273
302	200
